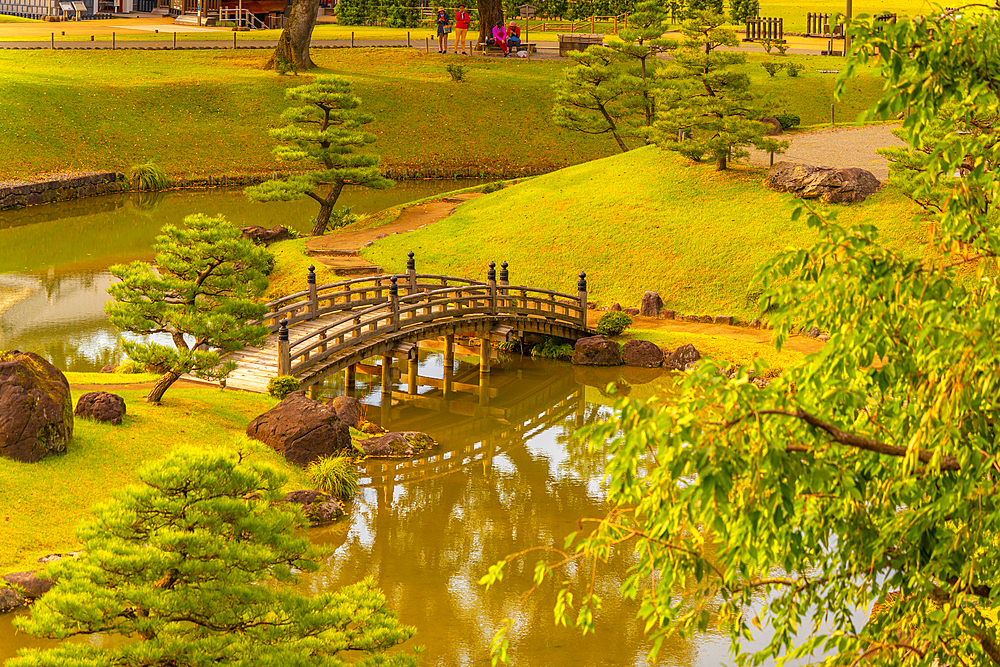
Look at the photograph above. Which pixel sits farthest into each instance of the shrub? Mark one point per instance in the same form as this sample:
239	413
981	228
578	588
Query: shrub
771	67
129	367
148	176
334	475
218	373
283	67
456	71
613	323
552	349
492	187
281	386
794	69
787	120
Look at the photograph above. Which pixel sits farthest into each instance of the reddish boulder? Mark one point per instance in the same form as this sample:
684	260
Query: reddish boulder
29	584
301	429
642	353
596	351
36	411
10	599
319	508
262	236
397	444
102	406
683	358
348	409
651	305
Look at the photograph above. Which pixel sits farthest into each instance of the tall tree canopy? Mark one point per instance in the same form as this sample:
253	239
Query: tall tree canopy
197	565
324	129
864	480
203	292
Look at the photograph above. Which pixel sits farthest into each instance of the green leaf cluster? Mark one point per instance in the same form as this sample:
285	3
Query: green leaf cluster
197	565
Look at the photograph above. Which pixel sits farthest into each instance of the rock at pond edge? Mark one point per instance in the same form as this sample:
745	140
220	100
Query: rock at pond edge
596	351
301	429
36	409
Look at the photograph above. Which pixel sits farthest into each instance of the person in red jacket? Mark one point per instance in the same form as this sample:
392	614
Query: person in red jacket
462	21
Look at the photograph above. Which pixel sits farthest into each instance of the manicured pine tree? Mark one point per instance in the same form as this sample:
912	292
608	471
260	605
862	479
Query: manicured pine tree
197	565
706	106
591	97
203	292
325	129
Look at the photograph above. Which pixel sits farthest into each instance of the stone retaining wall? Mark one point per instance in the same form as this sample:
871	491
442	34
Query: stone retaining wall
43	192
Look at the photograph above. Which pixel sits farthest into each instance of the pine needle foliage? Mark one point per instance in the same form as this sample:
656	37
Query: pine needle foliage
334	475
198	564
204	291
324	131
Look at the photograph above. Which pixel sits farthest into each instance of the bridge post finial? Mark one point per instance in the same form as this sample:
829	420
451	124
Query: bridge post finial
581	292
503	273
491	282
411	265
491	275
394	302
411	272
284	354
313	296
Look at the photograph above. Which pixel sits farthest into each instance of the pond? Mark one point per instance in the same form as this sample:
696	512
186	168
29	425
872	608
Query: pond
53	269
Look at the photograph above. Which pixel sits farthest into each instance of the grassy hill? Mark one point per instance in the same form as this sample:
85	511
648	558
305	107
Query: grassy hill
645	220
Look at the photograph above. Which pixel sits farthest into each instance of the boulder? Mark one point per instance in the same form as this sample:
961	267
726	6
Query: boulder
616	307
651	304
596	351
683	358
642	353
830	185
29	585
706	319
102	406
755	323
262	236
775	125
36	410
110	368
724	319
692	318
631	311
10	599
348	409
320	508
397	443
811	332
667	314
301	429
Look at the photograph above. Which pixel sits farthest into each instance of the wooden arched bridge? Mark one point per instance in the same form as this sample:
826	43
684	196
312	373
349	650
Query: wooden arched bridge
329	328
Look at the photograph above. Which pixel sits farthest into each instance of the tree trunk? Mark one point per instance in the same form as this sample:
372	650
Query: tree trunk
326	209
490	13
293	45
161	386
720	162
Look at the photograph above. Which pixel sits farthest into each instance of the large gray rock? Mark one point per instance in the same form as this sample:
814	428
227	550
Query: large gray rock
830	185
262	236
10	599
642	353
683	358
102	406
651	305
774	125
320	508
596	351
36	411
31	585
397	443
301	429
347	408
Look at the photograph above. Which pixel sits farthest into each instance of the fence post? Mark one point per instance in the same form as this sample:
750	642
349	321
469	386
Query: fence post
411	272
833	119
504	281
394	303
491	280
593	24
284	354
313	298
581	292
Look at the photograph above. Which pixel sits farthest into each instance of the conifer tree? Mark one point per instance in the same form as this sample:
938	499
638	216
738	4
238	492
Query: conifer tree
706	106
197	565
203	293
325	129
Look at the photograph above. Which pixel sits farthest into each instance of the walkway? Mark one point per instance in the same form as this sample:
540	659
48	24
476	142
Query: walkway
838	147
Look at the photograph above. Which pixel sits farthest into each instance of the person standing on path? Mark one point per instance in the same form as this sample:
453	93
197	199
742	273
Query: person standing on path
462	21
444	27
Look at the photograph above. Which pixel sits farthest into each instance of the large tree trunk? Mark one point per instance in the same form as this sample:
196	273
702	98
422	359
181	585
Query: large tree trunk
490	13
293	45
721	162
326	209
162	384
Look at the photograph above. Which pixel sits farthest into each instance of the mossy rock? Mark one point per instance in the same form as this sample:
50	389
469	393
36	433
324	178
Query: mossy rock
36	409
397	444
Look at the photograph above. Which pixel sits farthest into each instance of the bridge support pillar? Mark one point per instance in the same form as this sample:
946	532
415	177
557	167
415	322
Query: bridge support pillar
484	352
449	351
484	389
412	367
349	376
449	381
386	374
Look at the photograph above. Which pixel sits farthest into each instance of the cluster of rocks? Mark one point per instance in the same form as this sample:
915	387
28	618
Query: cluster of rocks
18	588
828	184
652	306
16	195
599	351
302	430
262	236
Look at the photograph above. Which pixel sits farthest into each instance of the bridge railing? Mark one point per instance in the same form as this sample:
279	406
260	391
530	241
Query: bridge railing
374	306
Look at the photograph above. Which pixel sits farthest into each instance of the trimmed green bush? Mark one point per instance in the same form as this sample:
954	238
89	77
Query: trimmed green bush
787	120
613	323
129	367
334	475
281	386
492	187
794	69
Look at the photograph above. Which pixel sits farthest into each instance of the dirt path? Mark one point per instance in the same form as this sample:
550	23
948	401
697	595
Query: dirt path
838	147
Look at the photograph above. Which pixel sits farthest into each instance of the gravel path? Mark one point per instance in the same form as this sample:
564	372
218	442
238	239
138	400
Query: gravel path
838	147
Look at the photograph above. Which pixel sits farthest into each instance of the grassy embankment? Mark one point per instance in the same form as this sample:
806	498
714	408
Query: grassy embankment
203	113
46	500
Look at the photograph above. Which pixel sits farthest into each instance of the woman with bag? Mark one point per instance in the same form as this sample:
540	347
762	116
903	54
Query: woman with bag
462	21
444	27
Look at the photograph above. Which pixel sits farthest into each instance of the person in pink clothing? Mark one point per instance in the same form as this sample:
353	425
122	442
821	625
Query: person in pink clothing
500	37
462	21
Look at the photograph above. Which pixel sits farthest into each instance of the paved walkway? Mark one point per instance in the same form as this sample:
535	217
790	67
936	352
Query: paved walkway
838	147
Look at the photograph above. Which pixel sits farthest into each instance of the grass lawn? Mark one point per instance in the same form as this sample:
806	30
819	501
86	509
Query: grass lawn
646	220
46	500
17	19
201	113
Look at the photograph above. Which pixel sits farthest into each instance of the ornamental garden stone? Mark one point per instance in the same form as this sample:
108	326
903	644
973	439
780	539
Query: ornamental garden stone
36	411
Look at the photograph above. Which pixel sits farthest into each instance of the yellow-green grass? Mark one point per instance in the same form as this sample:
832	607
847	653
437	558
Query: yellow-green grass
80	379
291	267
207	112
46	500
721	348
645	220
16	19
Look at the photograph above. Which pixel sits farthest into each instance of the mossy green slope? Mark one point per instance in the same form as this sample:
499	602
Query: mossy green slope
645	220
